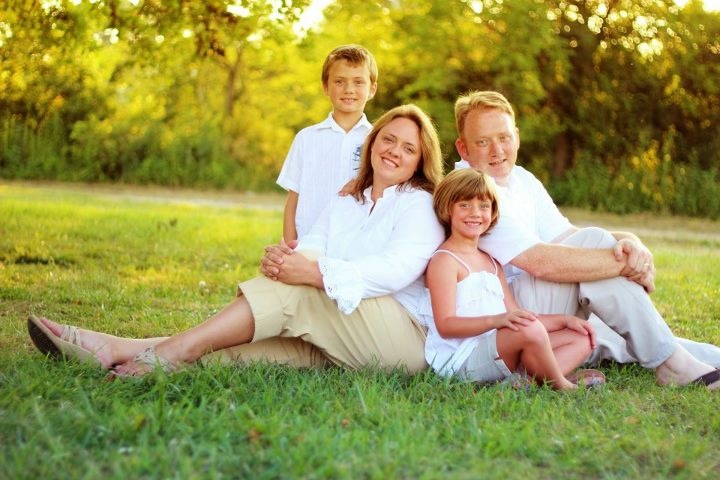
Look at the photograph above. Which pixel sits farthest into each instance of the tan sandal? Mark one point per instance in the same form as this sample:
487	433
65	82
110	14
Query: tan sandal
149	359
587	377
68	345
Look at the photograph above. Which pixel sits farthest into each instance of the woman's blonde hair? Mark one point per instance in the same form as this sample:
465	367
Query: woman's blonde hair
429	171
464	184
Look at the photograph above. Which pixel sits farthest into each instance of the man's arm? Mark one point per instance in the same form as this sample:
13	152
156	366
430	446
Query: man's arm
564	263
289	230
638	258
568	264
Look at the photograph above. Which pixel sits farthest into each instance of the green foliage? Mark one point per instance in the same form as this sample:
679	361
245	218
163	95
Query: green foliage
171	93
211	93
642	184
28	153
128	263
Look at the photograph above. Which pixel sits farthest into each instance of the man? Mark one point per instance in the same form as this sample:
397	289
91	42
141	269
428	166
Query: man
554	267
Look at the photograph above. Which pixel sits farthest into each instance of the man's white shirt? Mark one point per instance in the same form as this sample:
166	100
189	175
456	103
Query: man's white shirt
528	216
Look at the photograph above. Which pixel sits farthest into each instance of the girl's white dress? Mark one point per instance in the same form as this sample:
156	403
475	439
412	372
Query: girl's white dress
480	293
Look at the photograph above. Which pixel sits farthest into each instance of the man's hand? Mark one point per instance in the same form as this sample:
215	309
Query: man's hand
639	265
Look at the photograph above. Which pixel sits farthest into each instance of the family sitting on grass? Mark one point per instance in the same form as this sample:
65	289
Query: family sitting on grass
484	280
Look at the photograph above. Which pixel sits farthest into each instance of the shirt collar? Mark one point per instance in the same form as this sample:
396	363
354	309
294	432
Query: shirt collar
462	163
389	192
330	123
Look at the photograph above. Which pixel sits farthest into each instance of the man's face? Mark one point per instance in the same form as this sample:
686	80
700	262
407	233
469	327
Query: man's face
490	142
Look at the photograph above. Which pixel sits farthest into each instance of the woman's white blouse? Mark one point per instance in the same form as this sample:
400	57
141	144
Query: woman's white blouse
373	250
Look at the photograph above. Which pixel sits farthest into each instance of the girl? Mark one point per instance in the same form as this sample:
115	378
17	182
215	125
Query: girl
476	329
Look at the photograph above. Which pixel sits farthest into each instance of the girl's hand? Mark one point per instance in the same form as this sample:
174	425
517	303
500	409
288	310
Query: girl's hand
581	326
512	319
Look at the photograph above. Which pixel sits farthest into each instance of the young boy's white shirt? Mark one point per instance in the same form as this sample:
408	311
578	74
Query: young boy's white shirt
321	160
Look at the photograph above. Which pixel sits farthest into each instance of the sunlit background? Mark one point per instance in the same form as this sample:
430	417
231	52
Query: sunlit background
623	94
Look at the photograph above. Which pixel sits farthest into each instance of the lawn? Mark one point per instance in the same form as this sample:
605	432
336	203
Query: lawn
141	262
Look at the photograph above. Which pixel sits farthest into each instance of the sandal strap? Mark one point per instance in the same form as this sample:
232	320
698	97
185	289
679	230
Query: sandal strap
71	334
708	379
151	359
588	377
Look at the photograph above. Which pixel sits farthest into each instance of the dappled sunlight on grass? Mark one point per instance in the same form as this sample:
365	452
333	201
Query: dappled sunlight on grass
78	256
688	294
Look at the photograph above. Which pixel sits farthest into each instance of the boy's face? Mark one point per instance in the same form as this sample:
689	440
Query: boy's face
348	87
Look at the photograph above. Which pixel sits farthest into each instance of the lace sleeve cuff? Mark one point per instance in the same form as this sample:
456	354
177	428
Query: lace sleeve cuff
343	283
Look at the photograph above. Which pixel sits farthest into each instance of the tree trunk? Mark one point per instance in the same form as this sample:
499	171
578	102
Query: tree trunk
562	155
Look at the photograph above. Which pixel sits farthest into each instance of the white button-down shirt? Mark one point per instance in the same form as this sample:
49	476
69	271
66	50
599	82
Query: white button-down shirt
321	160
373	250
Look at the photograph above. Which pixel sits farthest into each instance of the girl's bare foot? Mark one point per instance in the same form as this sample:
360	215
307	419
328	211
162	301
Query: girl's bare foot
587	377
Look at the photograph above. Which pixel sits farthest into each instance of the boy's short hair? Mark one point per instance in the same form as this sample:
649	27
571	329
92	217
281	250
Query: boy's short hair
354	55
464	184
480	100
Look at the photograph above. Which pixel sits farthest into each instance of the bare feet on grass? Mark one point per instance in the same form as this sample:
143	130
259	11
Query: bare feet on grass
683	369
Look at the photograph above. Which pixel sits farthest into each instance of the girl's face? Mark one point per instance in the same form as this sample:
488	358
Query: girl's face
395	153
471	218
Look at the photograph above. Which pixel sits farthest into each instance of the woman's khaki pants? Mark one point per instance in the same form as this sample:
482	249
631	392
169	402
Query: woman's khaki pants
302	327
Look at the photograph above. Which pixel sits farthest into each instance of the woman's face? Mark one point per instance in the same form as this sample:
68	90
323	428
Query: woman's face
395	153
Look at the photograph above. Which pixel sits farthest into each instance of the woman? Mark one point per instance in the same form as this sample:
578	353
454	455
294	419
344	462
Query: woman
354	305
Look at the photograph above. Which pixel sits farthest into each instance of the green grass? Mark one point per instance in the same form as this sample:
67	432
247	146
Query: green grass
145	267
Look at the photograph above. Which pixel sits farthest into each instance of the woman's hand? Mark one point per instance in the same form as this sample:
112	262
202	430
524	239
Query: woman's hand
274	258
281	263
512	319
297	269
581	326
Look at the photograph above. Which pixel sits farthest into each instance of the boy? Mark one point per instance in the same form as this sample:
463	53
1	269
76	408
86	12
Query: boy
323	157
